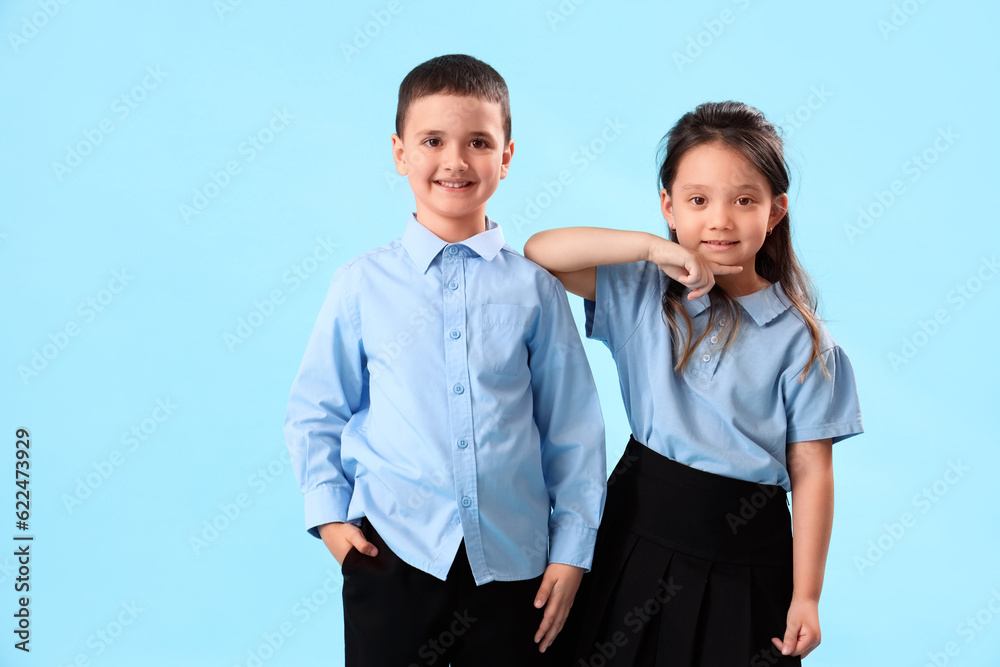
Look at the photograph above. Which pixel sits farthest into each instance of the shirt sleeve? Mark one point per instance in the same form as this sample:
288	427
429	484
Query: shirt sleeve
622	294
823	407
571	429
326	393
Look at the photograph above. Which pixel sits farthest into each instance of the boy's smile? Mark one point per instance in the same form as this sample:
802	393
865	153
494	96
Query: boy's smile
454	153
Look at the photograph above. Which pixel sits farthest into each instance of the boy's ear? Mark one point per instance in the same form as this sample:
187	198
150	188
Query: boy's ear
778	209
505	161
397	155
667	207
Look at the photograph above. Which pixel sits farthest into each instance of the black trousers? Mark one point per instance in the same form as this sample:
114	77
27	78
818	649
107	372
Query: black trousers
398	616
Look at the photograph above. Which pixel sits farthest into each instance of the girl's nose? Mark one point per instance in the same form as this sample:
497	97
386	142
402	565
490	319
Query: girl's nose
721	220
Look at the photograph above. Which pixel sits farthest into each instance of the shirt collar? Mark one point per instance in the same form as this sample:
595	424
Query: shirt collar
423	245
763	305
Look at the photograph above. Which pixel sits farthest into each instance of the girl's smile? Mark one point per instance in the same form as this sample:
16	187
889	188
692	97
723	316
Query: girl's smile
722	207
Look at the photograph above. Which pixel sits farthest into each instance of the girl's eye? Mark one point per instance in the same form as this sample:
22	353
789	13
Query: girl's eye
698	201
744	201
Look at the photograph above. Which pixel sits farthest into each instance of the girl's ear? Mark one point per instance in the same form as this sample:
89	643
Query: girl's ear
779	207
667	207
398	156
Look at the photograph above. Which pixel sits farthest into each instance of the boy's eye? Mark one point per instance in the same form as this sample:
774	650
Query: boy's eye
480	143
697	201
432	142
744	201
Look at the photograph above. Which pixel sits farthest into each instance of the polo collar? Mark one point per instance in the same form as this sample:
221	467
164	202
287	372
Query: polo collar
763	306
423	245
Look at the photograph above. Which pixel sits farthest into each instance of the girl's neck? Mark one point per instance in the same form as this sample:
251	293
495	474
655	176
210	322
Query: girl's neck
740	284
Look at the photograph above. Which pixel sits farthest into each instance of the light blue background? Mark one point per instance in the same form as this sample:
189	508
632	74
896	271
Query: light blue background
878	98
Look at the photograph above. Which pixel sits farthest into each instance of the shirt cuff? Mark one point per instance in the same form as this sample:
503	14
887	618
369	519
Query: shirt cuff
326	503
572	545
837	432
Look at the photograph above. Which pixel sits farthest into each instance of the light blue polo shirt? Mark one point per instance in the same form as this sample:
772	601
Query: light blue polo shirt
730	412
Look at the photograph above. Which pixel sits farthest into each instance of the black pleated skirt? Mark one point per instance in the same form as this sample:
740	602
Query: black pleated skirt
690	569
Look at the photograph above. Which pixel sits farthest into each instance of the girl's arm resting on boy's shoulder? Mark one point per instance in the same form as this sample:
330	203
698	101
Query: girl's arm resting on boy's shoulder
810	469
581	283
571	253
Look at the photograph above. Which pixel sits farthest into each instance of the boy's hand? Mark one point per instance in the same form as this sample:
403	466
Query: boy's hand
801	629
556	594
691	269
340	537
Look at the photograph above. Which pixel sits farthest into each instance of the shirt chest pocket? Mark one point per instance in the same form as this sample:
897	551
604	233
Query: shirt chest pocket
505	328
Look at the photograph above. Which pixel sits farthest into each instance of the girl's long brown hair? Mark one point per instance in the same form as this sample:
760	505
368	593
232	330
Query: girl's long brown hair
745	130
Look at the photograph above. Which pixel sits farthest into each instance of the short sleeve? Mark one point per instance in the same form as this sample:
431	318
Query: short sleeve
623	293
823	407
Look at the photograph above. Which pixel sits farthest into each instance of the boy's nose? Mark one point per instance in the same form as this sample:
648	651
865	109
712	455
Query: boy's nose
454	159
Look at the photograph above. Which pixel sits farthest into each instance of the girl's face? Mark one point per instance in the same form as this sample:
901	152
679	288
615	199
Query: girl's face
722	207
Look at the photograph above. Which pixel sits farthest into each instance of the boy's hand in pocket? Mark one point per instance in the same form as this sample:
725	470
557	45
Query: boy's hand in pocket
340	537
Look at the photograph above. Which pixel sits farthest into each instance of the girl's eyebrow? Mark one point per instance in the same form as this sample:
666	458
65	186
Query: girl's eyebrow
743	186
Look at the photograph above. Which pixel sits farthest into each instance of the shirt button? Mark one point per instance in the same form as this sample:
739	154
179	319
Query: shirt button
458	389
714	339
452	250
456	334
707	357
463	443
453	285
466	501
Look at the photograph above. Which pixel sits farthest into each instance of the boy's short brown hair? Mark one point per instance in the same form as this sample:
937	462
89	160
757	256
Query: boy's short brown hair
455	74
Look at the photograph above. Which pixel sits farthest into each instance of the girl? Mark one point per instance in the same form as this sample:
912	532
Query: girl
735	393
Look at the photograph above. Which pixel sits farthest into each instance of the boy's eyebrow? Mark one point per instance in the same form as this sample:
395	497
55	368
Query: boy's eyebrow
474	133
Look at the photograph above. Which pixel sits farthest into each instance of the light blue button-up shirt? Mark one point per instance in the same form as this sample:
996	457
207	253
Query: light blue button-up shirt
731	412
445	395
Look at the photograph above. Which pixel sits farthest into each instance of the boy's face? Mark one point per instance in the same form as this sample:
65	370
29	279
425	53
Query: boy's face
454	153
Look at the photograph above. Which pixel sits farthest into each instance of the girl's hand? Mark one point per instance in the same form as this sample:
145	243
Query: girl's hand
801	629
690	269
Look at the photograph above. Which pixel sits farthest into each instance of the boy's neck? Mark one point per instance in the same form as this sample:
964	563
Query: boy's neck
453	230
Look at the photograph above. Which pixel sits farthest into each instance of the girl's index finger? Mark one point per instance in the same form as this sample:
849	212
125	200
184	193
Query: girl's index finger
725	269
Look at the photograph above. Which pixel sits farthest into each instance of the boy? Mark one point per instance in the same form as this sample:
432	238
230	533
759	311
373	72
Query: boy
444	425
